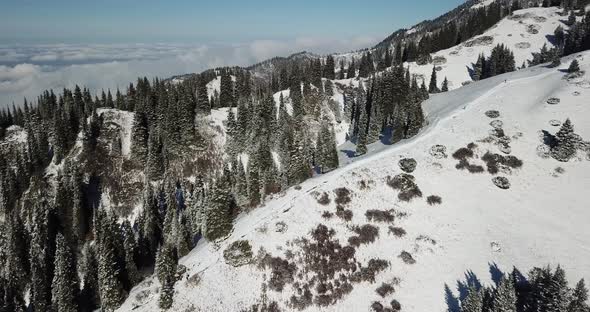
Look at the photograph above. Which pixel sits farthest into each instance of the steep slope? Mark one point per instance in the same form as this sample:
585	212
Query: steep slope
523	32
478	227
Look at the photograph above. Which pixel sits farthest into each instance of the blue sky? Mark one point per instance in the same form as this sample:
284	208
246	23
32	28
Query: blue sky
27	21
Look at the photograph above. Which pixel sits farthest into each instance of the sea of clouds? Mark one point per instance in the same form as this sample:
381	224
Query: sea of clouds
27	70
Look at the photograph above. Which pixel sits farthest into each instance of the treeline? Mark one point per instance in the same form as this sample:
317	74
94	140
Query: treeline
61	246
543	290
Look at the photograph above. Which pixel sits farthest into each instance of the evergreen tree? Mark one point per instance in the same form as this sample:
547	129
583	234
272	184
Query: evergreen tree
361	145
327	155
433	87
130	245
155	161
574	67
226	93
89	296
218	219
65	279
254	182
329	69
579	298
203	105
505	296
566	145
473	302
109	285
40	259
445	85
166	270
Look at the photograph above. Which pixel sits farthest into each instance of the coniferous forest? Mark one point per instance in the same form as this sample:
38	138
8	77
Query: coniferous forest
85	214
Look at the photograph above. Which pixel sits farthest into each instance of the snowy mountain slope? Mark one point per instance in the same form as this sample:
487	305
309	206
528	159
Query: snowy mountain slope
524	32
541	219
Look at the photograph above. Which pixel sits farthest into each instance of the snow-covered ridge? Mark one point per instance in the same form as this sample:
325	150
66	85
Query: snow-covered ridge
540	220
524	32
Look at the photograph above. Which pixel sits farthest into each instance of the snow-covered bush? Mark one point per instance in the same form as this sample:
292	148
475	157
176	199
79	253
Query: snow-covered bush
397	231
408	164
380	215
493	114
385	289
239	253
407	257
501	182
404	182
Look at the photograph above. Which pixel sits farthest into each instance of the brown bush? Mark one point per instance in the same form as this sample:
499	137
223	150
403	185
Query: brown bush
434	200
327	215
342	196
463	153
405	184
395	305
344	214
464	164
385	289
365	234
324	199
407	257
380	215
397	231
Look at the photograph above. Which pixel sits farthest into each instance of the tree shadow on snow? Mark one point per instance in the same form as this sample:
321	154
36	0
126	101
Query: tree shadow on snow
452	301
496	273
470	280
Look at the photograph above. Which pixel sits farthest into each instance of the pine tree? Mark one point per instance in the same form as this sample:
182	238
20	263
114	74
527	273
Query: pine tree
566	146
166	270
226	90
560	293
445	85
327	156
89	295
329	69
579	298
155	161
361	145
254	182
473	302
65	279
218	219
574	67
505	296
40	259
203	105
110	288
433	87
130	245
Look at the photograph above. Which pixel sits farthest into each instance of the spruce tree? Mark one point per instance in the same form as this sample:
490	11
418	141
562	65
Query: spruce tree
361	145
130	245
566	145
473	302
226	93
574	67
504	296
579	298
433	87
166	270
218	219
65	279
254	182
109	285
329	69
445	85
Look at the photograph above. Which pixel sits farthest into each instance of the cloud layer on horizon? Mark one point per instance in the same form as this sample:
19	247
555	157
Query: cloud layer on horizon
27	70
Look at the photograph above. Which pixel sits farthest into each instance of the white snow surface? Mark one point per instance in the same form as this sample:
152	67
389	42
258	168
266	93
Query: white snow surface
510	31
124	120
542	219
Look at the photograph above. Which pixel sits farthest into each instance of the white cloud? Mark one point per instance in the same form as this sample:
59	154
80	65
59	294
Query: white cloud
25	71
